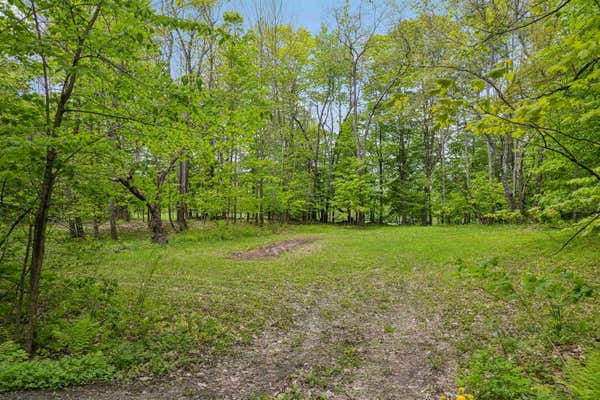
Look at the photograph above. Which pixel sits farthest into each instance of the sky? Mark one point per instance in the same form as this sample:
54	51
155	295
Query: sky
309	14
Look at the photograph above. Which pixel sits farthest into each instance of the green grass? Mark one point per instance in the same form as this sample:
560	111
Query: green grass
160	308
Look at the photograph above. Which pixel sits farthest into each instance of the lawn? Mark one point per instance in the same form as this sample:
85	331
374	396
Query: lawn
361	313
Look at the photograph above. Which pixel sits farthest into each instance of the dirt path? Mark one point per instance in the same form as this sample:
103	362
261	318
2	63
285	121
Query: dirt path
334	351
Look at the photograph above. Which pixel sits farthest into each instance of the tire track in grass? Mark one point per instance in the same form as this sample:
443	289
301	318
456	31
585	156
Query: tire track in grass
363	340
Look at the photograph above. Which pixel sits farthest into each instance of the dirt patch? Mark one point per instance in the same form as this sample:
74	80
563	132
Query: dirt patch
272	250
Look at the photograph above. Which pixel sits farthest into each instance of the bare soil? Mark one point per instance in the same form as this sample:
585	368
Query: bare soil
272	250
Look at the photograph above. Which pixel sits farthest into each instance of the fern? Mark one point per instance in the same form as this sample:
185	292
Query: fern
583	379
78	336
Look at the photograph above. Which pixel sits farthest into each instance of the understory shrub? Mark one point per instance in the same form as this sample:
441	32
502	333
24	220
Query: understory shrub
536	312
91	330
493	377
18	372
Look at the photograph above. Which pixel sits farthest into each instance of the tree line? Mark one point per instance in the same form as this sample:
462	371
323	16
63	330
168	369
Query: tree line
467	111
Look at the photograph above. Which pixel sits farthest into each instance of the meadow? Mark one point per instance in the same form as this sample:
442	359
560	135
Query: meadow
375	312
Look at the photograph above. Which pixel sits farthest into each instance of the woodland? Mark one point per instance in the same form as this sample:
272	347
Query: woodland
190	189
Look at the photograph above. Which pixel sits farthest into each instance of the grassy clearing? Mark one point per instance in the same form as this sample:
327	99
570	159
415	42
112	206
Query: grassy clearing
508	313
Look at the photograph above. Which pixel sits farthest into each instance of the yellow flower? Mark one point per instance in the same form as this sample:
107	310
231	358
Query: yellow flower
470	397
443	397
460	397
461	390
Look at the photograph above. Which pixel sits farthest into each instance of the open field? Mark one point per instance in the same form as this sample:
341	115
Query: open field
378	312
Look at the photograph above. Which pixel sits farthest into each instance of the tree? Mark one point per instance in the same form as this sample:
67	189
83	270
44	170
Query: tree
59	44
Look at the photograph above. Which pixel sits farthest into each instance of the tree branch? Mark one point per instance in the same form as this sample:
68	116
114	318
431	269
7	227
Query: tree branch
529	23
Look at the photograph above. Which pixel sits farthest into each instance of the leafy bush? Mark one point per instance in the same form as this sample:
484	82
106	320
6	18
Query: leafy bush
493	377
17	372
545	215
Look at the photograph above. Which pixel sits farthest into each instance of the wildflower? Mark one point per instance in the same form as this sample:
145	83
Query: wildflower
470	397
443	397
461	390
461	397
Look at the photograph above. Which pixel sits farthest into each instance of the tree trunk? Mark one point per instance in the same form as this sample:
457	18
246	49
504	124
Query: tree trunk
75	223
157	230
124	213
426	218
261	214
235	211
183	175
113	219
507	160
96	228
21	287
403	173
467	216
380	164
520	179
170	214
41	217
539	179
443	174
38	248
491	150
325	213
354	108
79	227
425	208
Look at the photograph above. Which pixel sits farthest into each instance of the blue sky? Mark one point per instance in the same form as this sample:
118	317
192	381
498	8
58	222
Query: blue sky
300	13
309	14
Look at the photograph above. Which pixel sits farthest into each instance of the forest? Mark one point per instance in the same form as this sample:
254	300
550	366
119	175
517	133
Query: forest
204	199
